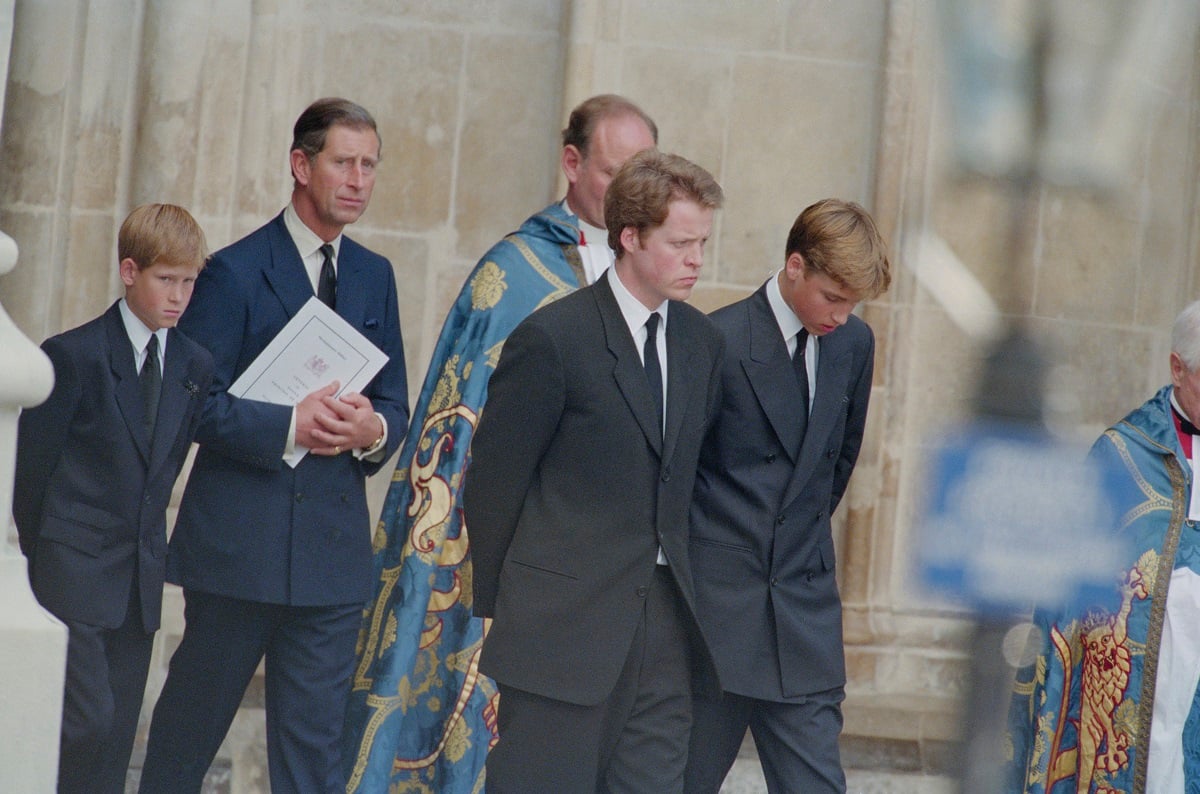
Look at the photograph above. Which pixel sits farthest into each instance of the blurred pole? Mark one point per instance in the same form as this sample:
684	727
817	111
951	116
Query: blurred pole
1042	91
1011	390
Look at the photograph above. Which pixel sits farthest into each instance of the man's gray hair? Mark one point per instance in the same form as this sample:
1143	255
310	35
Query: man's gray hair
1185	336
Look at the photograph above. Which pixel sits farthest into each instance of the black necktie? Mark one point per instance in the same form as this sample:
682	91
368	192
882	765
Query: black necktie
150	380
653	368
327	281
801	367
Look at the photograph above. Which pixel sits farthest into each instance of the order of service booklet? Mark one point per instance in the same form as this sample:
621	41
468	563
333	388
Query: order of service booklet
314	349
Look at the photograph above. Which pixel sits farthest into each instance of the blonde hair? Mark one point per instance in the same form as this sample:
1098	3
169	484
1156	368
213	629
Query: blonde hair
839	239
155	233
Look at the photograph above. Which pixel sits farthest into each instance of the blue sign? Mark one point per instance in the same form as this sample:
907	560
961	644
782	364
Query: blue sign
1013	517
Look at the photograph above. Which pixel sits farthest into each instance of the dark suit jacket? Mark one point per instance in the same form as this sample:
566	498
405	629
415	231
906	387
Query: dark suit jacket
572	487
762	548
250	526
91	491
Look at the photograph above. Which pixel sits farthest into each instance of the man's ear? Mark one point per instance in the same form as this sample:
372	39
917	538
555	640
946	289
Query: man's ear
300	166
128	270
630	239
1179	370
572	160
795	265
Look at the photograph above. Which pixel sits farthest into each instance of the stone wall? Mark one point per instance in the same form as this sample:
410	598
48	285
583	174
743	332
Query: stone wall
111	103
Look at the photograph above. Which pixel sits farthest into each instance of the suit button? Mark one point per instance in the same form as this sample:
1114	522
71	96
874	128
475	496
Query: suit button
146	498
666	476
829	453
771	457
774	581
780	519
820	515
641	591
299	497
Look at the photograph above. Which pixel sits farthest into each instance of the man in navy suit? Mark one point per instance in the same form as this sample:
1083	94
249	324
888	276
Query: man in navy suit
576	502
275	559
795	384
95	467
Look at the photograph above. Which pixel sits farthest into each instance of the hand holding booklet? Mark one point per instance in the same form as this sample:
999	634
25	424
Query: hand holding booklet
314	349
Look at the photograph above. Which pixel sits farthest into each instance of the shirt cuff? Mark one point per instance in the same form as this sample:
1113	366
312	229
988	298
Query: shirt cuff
374	453
289	449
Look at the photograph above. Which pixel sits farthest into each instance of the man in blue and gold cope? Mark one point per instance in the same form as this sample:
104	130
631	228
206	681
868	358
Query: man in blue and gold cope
1110	701
420	715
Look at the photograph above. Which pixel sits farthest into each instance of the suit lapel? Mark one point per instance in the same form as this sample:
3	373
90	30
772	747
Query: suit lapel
833	373
769	371
173	402
628	371
681	379
285	273
352	287
128	391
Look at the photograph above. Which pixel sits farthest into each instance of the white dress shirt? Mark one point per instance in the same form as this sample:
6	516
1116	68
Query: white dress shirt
635	315
595	253
139	335
789	326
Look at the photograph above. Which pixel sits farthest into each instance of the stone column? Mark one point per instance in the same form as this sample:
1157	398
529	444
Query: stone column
33	645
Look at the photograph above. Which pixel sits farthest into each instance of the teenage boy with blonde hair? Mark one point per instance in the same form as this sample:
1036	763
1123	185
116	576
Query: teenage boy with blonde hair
95	466
795	384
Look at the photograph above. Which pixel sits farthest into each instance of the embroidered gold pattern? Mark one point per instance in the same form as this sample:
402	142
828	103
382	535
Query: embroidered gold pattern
1104	678
429	514
1111	725
487	286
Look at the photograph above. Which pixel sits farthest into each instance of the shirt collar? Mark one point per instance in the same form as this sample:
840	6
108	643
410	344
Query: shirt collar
632	310
1178	410
588	234
789	323
137	331
306	240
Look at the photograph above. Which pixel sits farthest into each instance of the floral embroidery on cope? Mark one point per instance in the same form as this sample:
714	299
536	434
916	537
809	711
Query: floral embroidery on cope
487	287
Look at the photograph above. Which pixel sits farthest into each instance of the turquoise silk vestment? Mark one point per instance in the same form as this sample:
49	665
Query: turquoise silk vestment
421	718
1082	713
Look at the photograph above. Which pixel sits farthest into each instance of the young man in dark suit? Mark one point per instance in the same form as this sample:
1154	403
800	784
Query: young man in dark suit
95	466
794	390
275	559
576	504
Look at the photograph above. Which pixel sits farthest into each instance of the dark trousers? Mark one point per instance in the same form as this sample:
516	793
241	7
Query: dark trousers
309	660
797	742
102	697
633	742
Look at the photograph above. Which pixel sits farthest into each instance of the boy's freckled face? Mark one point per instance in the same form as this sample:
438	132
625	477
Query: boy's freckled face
158	294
